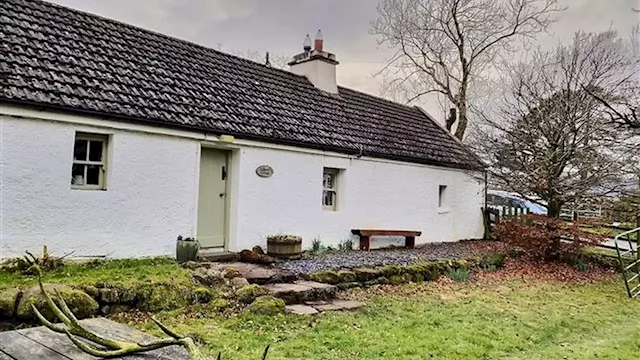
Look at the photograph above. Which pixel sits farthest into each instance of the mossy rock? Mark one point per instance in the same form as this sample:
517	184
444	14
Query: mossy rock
460	264
249	293
92	291
203	295
391	270
347	276
158	297
396	279
80	303
219	304
266	305
382	280
326	276
364	274
349	285
8	302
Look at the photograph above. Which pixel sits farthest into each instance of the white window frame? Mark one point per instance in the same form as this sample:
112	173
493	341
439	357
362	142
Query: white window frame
102	181
335	173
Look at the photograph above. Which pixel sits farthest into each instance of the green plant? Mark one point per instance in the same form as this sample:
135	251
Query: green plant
459	274
284	238
316	247
346	245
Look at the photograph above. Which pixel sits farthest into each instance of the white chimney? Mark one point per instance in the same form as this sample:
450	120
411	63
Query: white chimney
317	65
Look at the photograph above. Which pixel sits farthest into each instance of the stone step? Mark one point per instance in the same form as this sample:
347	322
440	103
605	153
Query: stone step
301	291
254	273
215	255
315	307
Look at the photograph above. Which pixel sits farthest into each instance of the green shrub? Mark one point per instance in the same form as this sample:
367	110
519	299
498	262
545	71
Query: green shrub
346	245
495	260
459	274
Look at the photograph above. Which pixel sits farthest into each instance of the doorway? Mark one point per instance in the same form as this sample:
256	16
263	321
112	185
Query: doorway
212	198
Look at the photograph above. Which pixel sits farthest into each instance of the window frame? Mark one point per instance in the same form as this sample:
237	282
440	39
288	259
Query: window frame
442	197
102	164
335	173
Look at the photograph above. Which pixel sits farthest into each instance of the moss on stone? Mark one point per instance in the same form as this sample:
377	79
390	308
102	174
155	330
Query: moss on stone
391	270
494	259
219	304
158	297
326	276
266	305
396	279
80	303
249	293
230	273
203	295
8	300
346	276
364	274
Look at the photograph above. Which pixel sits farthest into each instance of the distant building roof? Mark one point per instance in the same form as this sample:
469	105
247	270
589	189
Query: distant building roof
69	60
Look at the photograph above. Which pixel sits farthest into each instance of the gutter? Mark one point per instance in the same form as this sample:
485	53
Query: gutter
245	136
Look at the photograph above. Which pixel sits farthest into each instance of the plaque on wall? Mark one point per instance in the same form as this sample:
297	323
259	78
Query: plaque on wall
264	171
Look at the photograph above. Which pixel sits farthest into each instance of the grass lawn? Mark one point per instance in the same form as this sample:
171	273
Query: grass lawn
124	273
501	319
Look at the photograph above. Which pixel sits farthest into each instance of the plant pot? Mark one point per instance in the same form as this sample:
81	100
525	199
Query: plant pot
284	246
187	250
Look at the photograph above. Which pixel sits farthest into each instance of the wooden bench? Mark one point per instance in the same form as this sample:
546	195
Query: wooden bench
366	234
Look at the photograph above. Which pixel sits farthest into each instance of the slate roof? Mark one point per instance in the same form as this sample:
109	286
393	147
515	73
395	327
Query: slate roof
69	60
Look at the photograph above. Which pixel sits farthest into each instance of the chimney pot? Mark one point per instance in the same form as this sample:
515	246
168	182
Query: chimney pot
319	42
306	45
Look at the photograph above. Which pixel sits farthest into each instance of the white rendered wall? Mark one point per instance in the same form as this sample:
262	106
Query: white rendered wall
372	194
150	197
152	184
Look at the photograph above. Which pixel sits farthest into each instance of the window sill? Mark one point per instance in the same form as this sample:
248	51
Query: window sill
444	211
87	188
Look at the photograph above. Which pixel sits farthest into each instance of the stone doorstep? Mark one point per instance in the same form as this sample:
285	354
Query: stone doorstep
215	255
256	274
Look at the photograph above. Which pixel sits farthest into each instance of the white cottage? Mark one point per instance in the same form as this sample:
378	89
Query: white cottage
115	140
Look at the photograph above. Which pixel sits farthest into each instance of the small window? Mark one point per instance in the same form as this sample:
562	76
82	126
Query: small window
329	189
89	161
442	196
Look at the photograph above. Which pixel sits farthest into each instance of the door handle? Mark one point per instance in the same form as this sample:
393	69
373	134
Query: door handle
222	194
224	172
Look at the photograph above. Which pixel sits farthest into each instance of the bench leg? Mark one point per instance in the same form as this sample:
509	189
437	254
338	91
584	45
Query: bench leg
364	243
410	242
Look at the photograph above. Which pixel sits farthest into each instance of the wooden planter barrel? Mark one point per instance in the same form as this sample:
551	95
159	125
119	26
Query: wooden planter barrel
289	247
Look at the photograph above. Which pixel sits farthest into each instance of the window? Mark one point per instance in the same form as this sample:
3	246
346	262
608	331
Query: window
89	160
329	188
442	196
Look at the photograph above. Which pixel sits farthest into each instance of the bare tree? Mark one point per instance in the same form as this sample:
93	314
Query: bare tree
621	97
549	139
443	46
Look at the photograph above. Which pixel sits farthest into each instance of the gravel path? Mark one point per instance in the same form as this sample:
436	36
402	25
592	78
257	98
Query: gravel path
398	256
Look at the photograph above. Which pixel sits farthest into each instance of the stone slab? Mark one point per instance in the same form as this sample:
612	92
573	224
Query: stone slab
300	291
217	256
299	309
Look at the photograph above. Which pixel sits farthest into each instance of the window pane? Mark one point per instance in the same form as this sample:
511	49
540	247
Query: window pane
328	198
77	175
95	150
80	150
93	175
327	181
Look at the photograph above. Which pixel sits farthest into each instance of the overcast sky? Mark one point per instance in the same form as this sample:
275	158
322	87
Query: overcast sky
280	26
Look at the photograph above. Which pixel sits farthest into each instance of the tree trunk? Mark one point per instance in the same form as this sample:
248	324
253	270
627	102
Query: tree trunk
553	209
462	119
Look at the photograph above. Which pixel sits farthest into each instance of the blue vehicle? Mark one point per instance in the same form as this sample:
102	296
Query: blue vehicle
500	199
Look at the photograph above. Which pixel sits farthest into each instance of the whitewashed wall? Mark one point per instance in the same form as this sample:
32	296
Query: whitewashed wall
372	194
150	196
152	183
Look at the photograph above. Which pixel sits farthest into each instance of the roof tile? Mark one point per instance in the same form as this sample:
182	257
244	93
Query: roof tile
77	61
